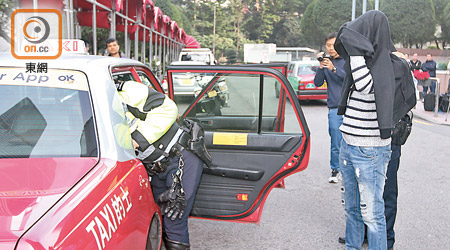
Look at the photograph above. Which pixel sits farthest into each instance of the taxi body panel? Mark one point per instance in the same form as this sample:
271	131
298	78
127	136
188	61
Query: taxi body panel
103	200
111	207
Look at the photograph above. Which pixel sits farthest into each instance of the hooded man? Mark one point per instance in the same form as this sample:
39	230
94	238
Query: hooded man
367	103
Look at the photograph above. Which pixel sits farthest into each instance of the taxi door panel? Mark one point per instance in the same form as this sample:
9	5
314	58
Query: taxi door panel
253	146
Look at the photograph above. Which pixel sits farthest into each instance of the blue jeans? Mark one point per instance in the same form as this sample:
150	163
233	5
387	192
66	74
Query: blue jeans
334	122
363	172
432	88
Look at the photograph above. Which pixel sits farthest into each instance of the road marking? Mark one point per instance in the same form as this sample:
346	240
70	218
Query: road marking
422	122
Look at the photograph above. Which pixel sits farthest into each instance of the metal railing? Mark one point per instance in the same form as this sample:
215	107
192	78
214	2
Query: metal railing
163	49
437	91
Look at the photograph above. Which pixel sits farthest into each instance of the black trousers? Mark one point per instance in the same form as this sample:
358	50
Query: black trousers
391	193
177	230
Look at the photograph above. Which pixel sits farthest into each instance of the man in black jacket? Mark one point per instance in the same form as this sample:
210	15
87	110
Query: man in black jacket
331	70
430	66
415	64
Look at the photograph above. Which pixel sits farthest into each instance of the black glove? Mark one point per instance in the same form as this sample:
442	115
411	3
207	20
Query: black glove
173	202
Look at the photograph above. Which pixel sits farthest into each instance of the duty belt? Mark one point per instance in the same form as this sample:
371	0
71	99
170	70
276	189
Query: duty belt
174	148
181	138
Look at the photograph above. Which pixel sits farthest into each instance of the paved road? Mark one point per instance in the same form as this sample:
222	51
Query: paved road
308	214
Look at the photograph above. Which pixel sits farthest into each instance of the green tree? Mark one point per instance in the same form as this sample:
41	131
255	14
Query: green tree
231	56
442	19
6	8
323	17
308	27
259	20
286	32
275	21
412	22
446	24
330	15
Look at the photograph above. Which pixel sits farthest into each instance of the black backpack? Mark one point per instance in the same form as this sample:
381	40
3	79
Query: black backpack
404	100
405	91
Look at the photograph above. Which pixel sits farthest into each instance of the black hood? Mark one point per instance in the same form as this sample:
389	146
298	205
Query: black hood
369	36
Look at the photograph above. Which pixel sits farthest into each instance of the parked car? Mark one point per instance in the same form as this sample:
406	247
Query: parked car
71	179
187	85
301	76
203	55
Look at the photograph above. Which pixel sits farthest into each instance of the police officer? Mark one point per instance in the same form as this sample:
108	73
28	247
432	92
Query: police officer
162	147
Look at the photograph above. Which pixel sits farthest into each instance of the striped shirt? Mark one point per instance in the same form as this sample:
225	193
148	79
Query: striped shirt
360	124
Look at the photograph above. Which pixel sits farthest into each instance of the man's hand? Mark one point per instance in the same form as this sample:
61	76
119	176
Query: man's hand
173	202
326	63
321	66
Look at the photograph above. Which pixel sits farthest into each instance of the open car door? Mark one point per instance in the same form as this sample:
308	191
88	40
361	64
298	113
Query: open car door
255	138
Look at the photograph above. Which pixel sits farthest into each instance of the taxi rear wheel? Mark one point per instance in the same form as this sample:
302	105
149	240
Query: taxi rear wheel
154	234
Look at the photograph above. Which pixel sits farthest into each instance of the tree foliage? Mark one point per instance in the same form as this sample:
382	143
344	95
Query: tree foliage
288	22
323	17
412	22
6	8
442	11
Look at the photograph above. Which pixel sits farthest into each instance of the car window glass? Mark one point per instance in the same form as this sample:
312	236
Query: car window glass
273	119
291	70
145	79
305	70
123	77
230	104
50	119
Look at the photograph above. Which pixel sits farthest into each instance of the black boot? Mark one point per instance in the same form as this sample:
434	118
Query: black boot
175	245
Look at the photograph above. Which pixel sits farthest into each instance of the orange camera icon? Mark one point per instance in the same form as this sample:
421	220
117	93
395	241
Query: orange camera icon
36	34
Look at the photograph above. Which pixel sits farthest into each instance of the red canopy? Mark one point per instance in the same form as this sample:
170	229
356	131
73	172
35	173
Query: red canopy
157	19
191	43
85	18
182	34
85	5
175	30
151	15
146	4
43	4
167	25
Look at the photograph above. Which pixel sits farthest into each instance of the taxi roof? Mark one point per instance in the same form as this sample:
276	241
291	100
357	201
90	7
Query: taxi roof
68	61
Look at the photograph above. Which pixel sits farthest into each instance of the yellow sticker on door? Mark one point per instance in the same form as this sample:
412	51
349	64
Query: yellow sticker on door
234	139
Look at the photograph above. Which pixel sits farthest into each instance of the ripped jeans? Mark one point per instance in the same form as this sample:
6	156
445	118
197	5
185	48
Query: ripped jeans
363	172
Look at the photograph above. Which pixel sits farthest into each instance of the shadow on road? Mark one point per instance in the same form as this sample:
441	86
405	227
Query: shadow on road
313	102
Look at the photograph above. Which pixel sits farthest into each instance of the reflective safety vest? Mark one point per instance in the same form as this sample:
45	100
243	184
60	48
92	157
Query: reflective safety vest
151	116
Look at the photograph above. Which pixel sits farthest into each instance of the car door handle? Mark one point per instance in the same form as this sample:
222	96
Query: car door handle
208	123
244	174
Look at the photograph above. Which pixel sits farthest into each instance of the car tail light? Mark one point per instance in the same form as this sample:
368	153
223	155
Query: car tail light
301	85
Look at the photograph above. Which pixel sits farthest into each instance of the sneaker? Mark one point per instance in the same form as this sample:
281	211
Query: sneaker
334	176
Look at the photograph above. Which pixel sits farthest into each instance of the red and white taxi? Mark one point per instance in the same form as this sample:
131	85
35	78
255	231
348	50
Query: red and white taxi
71	180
